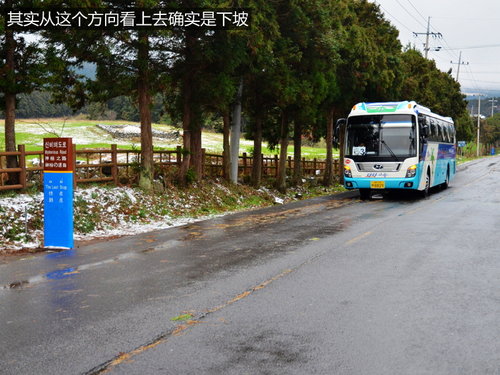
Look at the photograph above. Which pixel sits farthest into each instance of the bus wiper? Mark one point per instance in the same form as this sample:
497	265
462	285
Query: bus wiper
388	148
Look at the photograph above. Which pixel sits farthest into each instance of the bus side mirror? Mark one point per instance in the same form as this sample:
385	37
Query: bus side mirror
340	122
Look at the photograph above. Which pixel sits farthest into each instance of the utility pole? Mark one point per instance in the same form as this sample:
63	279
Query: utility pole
427	34
478	121
493	101
460	62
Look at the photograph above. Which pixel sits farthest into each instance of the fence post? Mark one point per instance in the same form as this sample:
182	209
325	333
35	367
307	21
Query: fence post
22	165
314	166
114	164
244	164
75	175
263	164
42	167
276	165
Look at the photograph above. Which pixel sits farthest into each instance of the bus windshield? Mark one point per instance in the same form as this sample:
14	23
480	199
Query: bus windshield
381	137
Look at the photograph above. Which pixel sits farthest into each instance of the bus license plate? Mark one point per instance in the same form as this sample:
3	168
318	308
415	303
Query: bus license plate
377	184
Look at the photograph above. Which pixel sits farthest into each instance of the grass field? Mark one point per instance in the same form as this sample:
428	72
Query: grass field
86	134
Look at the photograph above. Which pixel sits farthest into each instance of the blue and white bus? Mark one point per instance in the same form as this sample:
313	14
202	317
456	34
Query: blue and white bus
397	145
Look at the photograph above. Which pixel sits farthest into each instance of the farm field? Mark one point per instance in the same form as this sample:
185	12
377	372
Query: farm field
86	134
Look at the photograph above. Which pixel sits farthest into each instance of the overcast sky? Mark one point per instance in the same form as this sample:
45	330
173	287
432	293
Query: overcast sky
472	27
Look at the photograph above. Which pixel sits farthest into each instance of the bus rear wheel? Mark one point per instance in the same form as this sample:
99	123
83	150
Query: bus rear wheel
446	182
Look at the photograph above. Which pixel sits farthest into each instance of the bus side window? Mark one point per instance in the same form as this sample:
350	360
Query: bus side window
433	132
449	128
444	133
453	133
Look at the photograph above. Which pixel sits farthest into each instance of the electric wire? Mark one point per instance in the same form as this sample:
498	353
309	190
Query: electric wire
411	14
398	21
416	10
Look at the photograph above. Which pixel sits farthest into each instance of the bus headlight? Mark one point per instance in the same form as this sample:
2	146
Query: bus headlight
412	171
347	171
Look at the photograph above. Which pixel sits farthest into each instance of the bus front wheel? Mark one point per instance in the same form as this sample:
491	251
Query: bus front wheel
425	193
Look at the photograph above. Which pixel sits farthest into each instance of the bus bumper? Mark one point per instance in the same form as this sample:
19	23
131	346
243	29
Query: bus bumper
388	183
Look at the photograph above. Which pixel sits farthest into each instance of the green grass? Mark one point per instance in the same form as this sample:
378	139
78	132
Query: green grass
85	134
182	317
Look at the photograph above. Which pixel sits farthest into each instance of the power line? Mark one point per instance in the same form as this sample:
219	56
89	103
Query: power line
475	47
476	81
411	14
467	67
469	19
395	19
385	11
497	72
416	10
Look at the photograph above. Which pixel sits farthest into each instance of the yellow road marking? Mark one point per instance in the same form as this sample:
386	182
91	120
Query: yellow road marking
123	357
356	239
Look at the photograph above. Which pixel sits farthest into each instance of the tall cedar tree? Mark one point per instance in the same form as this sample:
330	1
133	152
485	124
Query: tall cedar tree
259	96
128	62
370	68
22	70
201	79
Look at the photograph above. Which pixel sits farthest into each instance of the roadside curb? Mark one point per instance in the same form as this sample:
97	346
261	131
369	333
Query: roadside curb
464	166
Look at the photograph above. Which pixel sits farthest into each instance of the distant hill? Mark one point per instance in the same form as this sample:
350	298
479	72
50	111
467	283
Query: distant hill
485	105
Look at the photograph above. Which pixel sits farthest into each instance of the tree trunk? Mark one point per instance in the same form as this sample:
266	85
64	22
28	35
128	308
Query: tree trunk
146	175
186	134
341	153
10	105
196	157
226	153
257	153
186	111
235	134
281	180
328	178
297	153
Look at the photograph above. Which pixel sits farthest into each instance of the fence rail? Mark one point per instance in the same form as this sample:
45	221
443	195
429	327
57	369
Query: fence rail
114	165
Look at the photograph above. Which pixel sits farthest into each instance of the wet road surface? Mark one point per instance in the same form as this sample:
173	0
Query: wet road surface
331	286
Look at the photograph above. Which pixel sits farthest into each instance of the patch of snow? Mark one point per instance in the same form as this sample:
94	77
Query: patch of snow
278	200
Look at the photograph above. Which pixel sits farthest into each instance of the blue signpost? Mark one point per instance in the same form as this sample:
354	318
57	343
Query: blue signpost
58	192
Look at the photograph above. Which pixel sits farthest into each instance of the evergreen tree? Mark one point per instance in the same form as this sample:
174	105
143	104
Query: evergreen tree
22	70
126	62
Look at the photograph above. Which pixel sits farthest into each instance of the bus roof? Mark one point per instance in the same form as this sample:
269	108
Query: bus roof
404	107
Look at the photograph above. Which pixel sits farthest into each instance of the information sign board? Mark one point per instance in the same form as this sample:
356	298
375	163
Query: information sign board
58	192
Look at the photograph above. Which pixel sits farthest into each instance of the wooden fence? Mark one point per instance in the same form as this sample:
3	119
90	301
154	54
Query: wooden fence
113	165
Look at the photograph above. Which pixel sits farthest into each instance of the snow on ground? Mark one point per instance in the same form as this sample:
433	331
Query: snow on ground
99	213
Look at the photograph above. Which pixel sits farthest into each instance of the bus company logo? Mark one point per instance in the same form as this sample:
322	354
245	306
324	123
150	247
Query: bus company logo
378	166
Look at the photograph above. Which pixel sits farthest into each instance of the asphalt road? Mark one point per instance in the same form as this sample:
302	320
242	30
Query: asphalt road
331	285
